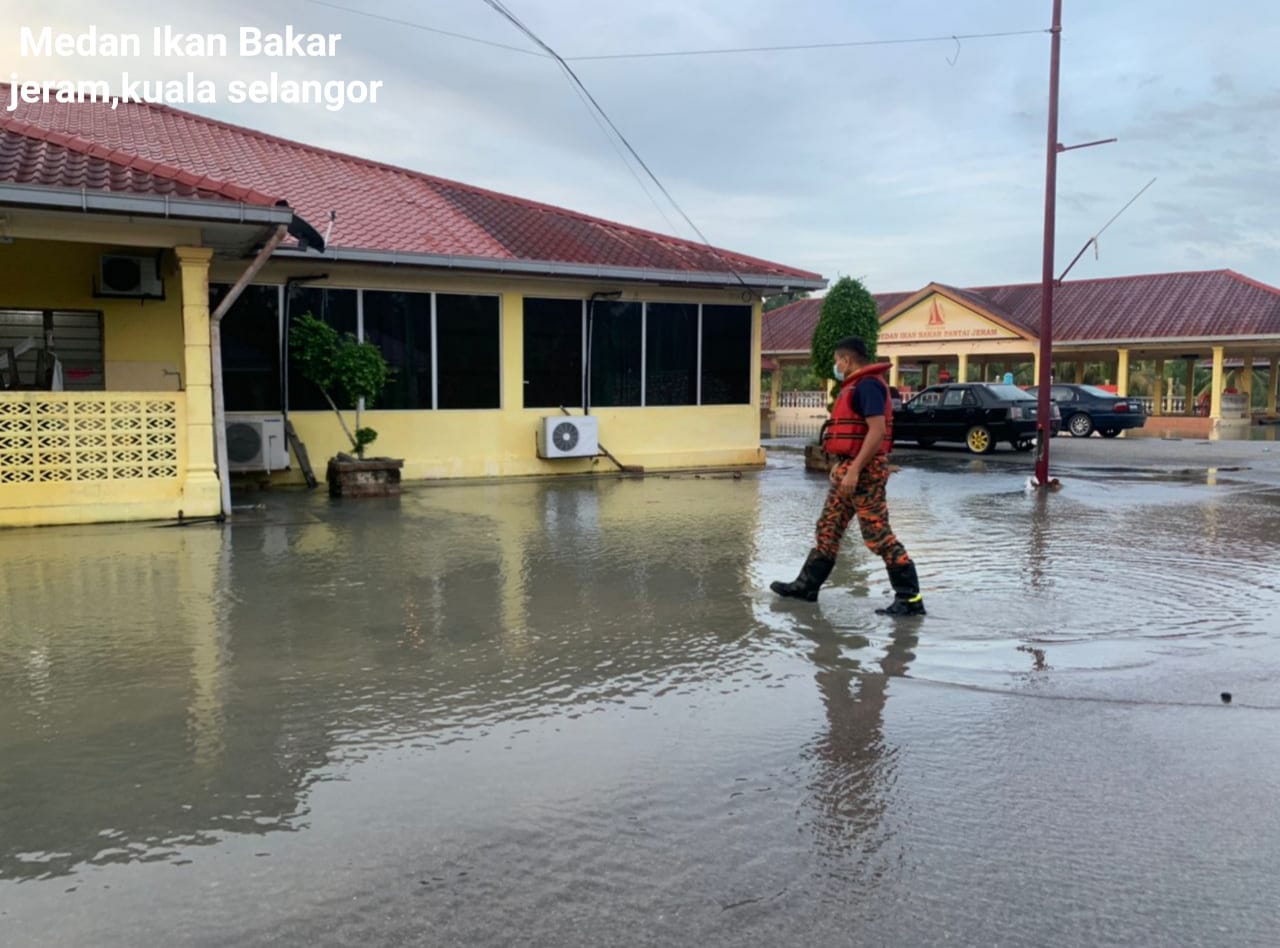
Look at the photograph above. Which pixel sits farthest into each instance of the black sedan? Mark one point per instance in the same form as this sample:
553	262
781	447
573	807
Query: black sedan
1087	408
977	414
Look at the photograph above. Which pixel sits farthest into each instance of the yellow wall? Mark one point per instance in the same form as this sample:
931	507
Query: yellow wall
500	442
141	339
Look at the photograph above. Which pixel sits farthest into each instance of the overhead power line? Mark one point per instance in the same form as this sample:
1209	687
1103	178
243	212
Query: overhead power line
502	10
430	29
956	37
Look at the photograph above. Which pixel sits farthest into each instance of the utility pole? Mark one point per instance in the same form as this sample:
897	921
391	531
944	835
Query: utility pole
1046	289
1043	410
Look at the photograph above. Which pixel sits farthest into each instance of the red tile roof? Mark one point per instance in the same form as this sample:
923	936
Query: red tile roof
1203	304
379	207
32	155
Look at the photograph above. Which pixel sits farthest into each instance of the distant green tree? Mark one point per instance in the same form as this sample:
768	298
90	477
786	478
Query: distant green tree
847	310
782	299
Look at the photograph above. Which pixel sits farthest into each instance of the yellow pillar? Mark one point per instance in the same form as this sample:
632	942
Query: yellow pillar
1157	389
1035	376
775	396
1122	372
893	371
1271	387
1246	383
1079	371
512	329
1189	405
962	368
201	493
1215	385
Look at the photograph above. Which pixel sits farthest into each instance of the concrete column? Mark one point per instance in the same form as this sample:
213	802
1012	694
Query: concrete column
201	491
1122	372
775	396
1035	372
1246	382
511	396
1189	406
1215	385
1271	387
962	368
1079	371
1157	389
893	371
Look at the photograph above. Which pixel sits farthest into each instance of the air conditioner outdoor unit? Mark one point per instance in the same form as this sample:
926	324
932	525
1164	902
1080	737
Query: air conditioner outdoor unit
129	275
562	436
256	442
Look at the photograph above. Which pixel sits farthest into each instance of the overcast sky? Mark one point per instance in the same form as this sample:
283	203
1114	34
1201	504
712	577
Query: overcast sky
899	164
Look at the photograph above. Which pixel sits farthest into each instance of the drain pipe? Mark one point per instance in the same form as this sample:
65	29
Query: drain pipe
586	368
215	355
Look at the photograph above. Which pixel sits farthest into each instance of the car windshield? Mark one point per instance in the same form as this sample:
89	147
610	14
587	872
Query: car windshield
1009	393
1097	392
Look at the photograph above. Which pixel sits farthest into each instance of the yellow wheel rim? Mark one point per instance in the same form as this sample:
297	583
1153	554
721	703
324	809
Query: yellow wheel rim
979	440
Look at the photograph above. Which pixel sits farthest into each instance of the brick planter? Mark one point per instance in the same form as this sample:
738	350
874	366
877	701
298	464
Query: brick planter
372	477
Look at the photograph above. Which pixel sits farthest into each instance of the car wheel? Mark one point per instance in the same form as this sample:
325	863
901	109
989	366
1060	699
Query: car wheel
1109	432
979	440
926	442
1080	425
1024	444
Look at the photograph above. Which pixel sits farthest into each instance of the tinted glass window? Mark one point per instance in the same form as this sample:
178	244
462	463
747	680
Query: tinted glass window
335	307
468	339
399	324
250	348
726	355
925	400
1059	394
671	353
1009	393
954	398
552	353
615	354
1097	392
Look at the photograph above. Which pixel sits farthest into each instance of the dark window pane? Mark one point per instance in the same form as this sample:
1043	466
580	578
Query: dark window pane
399	324
726	355
338	309
615	354
552	353
468	338
76	343
671	354
250	348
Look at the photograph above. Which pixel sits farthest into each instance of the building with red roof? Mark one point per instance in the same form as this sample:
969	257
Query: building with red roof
152	261
1165	323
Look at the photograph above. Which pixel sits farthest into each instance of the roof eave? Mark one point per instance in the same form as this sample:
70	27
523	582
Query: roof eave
553	268
141	205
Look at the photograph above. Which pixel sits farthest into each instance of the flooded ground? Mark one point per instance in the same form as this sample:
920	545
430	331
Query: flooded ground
570	713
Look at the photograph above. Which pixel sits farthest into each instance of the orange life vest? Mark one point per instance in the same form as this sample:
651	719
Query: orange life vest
845	431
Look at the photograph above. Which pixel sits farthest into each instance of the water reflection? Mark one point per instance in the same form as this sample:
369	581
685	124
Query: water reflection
851	787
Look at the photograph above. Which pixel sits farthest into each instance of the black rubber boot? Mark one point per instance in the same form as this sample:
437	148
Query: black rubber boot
907	600
813	574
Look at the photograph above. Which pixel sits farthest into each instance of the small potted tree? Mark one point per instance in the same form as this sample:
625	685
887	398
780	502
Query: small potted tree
341	367
848	309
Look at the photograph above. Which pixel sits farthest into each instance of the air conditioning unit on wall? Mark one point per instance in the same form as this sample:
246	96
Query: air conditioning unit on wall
256	442
562	436
133	276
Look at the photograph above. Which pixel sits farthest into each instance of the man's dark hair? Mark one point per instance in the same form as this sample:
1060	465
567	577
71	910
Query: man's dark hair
854	345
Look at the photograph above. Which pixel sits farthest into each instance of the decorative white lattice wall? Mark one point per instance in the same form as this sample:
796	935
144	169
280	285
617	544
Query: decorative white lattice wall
50	437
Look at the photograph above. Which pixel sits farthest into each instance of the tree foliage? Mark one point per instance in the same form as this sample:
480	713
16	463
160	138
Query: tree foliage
847	310
344	369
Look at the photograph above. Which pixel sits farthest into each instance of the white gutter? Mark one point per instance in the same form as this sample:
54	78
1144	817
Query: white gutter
215	355
559	269
87	200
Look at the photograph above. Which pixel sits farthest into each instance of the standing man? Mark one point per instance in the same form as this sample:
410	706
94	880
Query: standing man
860	436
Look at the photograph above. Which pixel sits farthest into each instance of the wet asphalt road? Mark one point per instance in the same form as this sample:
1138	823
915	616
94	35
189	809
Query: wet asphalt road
570	713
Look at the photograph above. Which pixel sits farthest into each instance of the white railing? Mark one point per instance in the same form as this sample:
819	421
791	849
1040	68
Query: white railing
802	400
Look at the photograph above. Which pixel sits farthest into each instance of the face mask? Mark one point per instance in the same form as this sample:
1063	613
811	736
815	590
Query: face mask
835	370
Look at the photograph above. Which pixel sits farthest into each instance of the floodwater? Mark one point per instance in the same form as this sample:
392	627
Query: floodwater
571	714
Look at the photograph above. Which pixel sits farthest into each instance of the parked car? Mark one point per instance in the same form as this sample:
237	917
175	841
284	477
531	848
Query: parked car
977	414
1087	408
